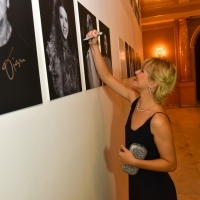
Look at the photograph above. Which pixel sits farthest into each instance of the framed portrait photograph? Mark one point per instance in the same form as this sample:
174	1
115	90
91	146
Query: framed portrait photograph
105	45
127	55
122	58
19	75
132	61
87	23
136	9
60	47
137	61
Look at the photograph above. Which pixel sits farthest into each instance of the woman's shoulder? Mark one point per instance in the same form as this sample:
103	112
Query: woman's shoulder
50	46
161	125
159	117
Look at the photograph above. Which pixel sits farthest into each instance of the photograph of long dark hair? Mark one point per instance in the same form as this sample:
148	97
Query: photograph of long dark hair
61	50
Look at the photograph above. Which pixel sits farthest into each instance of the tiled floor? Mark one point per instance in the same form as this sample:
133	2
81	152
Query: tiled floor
186	128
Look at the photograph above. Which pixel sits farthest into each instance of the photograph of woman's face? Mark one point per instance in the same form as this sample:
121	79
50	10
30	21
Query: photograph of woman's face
63	18
105	44
3	8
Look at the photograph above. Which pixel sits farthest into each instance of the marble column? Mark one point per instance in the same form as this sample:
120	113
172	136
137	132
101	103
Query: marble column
176	39
184	51
187	87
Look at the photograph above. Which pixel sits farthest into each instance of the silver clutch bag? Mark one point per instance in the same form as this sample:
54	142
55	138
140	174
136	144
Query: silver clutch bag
140	152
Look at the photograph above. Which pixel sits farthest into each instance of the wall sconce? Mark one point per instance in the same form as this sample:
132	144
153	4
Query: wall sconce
159	52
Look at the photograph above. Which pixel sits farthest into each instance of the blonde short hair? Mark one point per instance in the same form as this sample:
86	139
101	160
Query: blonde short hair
164	73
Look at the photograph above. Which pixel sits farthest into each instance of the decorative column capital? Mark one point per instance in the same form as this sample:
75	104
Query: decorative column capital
181	21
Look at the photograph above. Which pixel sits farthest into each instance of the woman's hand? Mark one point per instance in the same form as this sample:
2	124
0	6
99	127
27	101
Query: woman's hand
126	157
93	41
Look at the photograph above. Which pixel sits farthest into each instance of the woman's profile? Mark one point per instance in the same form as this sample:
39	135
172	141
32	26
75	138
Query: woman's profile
63	59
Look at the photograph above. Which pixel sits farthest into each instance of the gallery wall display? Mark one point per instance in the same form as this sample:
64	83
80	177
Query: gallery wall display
19	74
133	61
105	45
137	61
87	23
136	9
60	47
122	59
127	60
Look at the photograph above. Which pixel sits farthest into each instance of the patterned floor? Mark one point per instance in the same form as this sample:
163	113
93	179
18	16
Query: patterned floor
186	128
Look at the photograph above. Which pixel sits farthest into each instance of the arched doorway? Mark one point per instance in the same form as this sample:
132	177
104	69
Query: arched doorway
197	67
195	60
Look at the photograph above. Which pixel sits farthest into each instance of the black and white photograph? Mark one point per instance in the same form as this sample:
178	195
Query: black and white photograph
19	75
122	58
127	60
60	46
88	23
132	62
105	45
136	9
137	61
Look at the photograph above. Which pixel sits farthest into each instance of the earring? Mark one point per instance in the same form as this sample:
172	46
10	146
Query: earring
150	93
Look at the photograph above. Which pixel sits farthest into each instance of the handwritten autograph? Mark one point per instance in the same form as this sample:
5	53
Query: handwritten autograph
10	67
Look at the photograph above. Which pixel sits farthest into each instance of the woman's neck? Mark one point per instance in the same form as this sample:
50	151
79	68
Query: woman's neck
146	99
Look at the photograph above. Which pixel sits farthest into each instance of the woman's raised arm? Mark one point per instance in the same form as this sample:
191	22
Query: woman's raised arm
104	73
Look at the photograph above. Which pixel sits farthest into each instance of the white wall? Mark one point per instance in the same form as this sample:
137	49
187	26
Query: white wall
67	149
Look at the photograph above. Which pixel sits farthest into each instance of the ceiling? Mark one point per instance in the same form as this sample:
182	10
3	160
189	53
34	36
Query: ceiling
159	11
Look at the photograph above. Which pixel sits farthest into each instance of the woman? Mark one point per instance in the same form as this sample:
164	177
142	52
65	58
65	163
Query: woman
63	59
147	125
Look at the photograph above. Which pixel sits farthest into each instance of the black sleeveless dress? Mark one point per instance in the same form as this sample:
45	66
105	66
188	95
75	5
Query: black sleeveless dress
147	185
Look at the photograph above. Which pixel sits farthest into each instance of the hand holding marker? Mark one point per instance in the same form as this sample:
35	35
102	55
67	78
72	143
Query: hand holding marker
88	38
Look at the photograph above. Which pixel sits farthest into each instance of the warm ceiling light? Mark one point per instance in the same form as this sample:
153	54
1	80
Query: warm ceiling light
159	52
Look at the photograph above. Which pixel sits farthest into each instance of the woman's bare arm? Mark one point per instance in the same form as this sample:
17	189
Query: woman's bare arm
104	73
163	137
